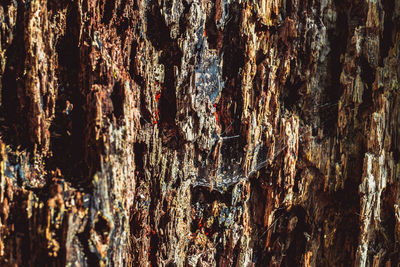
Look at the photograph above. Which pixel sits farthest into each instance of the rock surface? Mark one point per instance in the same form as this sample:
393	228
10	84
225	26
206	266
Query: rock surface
199	133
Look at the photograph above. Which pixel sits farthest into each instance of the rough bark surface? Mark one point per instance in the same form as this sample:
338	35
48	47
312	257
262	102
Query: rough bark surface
199	133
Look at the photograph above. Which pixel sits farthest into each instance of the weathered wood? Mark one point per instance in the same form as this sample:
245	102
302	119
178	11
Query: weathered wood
199	133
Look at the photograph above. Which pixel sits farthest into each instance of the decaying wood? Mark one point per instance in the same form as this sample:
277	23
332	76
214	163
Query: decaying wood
199	133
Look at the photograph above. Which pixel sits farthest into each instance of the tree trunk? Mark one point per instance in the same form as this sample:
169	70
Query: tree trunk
199	133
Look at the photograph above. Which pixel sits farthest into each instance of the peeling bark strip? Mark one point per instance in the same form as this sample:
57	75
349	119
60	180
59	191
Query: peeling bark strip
199	133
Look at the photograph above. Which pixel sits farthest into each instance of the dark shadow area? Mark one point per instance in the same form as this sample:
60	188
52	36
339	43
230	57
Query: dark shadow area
108	11
102	227
14	120
159	35
290	95
368	77
288	241
233	59
84	238
212	32
68	127
338	43
297	247
386	41
118	98
347	201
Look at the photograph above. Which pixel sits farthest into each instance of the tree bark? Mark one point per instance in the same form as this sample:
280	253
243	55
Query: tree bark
199	133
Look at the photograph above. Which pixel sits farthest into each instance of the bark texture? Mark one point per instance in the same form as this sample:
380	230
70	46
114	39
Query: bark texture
199	133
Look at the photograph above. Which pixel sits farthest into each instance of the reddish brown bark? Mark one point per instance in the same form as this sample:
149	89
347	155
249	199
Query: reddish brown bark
199	133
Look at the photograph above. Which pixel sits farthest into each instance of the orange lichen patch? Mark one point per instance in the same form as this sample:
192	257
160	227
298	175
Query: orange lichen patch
307	257
149	252
216	113
158	96
150	231
216	117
